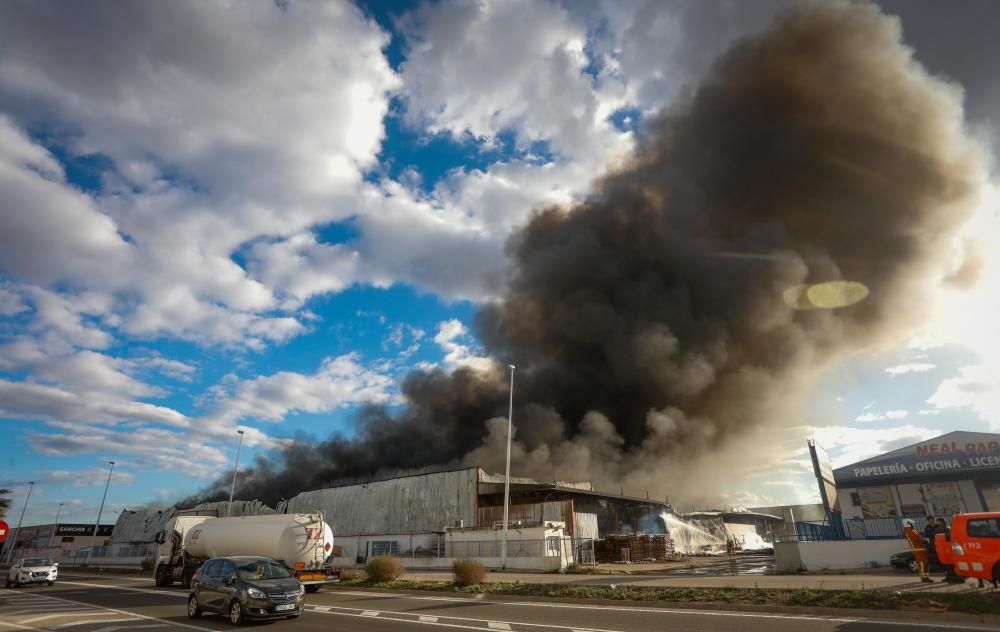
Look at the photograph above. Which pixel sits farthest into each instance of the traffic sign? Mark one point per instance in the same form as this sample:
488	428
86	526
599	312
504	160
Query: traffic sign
3	530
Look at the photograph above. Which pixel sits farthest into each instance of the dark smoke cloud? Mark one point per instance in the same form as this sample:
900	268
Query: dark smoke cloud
647	322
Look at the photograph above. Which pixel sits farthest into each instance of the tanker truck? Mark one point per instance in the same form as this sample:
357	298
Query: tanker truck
302	542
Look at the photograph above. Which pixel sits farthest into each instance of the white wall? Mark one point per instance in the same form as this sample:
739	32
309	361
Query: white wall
816	556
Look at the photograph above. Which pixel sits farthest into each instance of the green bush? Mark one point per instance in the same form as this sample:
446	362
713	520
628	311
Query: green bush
384	568
468	572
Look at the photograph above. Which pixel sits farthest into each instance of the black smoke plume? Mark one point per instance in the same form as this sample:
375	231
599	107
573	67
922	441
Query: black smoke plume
649	323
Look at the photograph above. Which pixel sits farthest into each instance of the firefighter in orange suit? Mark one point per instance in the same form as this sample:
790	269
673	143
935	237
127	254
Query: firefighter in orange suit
919	547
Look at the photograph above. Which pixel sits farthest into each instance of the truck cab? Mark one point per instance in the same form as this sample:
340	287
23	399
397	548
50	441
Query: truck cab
974	548
170	560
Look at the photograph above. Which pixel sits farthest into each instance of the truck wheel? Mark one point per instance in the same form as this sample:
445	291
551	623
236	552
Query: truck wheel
160	576
236	612
311	588
186	577
194	610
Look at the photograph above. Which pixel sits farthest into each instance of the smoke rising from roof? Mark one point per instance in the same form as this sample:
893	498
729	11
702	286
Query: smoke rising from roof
648	323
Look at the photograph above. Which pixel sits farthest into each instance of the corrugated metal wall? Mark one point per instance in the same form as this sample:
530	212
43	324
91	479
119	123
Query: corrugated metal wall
411	504
142	525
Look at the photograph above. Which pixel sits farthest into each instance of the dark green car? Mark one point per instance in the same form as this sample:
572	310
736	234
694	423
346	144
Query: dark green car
245	588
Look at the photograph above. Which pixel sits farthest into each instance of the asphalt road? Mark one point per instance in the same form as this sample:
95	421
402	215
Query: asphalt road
80	603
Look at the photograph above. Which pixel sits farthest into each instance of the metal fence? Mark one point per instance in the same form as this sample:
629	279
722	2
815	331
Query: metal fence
574	550
836	527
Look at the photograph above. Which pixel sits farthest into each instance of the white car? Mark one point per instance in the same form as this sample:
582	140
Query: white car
32	570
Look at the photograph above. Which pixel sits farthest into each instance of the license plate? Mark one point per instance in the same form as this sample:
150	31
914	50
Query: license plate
284	606
312	577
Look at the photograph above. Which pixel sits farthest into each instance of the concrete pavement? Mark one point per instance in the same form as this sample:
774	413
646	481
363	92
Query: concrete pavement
113	604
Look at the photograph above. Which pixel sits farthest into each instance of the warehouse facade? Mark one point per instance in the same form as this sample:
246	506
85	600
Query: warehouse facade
957	472
427	516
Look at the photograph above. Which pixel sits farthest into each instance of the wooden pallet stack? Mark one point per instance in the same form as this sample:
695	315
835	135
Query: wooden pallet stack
633	548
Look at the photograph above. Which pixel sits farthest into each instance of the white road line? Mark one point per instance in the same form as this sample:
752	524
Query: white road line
112	628
134	614
682	611
413	621
492	624
370	613
426	618
320	608
75	623
17	625
126	588
64	614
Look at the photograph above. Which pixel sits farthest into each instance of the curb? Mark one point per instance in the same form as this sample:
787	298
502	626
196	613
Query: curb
924	616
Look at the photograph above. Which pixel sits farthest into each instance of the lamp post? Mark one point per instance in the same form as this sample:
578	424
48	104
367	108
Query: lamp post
232	489
93	538
55	526
13	540
506	480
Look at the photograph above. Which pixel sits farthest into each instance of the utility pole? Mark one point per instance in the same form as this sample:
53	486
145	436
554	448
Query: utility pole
55	526
13	540
232	490
506	480
93	538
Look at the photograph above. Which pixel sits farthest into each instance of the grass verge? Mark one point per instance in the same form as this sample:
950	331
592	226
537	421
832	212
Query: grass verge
972	603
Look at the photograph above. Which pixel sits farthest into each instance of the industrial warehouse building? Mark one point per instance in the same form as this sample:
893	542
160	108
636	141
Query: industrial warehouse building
955	473
429	517
59	541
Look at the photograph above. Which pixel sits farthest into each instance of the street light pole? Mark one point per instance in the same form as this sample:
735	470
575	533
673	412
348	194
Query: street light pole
13	540
55	526
93	538
506	480
232	490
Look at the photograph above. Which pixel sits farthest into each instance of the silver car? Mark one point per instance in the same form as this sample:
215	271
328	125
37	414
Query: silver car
32	570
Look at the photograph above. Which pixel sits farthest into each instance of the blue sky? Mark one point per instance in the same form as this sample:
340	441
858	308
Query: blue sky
267	223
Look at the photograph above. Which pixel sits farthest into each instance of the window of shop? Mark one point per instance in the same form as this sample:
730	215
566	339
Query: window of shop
877	502
991	494
943	499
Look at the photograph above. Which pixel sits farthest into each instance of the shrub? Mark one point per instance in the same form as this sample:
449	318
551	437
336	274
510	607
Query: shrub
468	572
384	568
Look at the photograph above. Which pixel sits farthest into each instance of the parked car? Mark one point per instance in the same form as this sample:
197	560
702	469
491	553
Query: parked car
904	560
973	549
245	588
32	570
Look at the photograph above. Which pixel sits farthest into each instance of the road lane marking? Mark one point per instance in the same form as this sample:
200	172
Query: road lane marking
320	608
129	589
75	623
676	611
492	624
112	628
63	614
132	614
370	613
426	618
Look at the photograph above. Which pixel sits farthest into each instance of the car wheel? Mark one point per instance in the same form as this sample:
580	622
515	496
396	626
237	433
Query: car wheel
236	612
913	566
194	610
311	588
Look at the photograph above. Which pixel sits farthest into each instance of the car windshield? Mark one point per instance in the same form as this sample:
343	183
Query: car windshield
256	571
37	561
